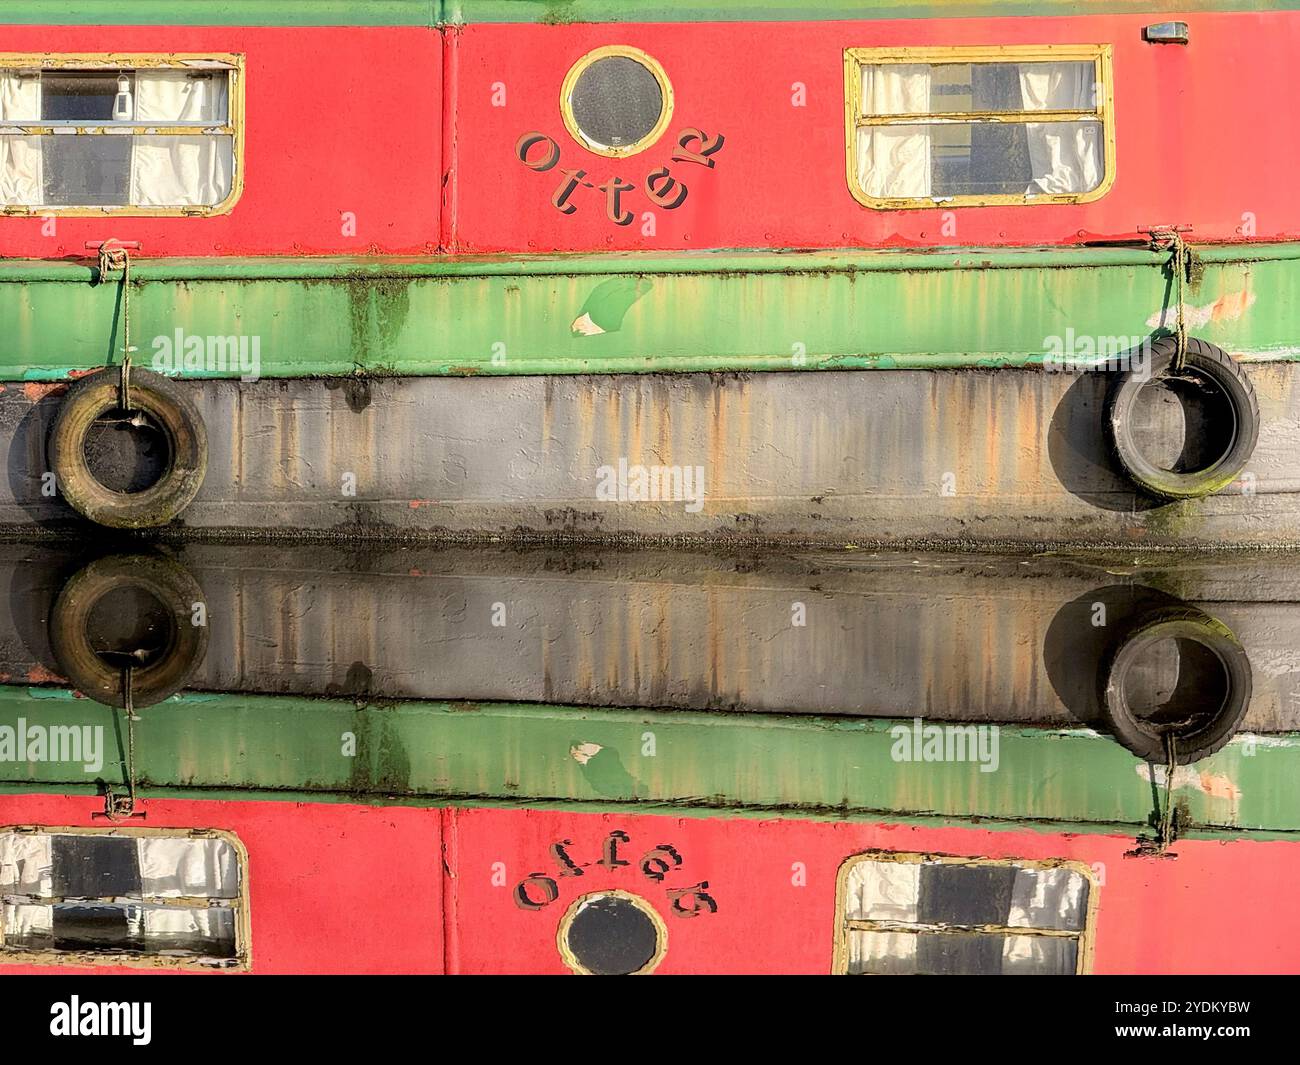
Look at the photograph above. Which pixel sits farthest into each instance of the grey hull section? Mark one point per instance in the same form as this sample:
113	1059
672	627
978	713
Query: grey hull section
966	638
836	458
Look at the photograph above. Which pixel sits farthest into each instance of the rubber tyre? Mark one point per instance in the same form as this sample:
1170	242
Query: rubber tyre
1208	361
187	440
1175	622
173	587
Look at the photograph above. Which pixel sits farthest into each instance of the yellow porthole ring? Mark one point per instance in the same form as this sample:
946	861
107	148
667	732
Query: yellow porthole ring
566	923
637	56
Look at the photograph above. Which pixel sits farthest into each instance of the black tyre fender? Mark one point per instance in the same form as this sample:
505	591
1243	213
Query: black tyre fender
89	673
1206	361
168	405
1208	734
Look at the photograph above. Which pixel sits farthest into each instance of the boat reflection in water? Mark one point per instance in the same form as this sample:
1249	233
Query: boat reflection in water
543	761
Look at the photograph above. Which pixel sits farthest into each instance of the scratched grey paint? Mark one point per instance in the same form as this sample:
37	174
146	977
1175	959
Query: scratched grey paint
825	457
973	638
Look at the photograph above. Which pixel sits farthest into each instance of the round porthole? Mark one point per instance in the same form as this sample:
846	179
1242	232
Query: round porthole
612	933
616	101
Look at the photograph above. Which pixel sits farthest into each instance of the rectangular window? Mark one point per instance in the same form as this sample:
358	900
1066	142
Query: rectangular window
924	914
979	126
120	134
124	896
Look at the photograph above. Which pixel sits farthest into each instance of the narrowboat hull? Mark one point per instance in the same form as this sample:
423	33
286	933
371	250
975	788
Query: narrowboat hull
974	638
955	458
372	274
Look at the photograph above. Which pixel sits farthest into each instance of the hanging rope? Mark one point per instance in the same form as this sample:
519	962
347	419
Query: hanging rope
121	807
1180	266
113	257
1165	823
1167	819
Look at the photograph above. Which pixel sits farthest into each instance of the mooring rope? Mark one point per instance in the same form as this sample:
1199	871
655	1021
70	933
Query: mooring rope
1167	819
114	257
1180	264
121	807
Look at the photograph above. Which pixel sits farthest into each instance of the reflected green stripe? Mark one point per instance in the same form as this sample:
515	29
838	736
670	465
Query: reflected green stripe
434	753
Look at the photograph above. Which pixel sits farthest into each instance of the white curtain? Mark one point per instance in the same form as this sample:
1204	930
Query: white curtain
1066	156
26	864
173	866
894	161
180	171
21	174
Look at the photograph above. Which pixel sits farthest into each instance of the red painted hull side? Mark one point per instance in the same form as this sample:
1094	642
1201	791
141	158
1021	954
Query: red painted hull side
339	888
352	120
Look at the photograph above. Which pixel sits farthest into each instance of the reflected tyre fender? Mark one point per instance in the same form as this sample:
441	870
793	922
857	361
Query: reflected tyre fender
1209	363
1201	736
184	644
171	408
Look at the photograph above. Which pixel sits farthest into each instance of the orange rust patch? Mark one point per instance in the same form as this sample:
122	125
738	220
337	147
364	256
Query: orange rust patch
1230	306
41	675
35	391
1218	786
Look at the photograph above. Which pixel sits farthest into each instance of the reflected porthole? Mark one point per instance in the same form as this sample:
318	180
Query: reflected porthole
612	933
616	101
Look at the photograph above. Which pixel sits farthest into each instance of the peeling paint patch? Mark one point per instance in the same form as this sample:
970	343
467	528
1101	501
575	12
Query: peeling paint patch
1215	785
583	326
582	753
1227	308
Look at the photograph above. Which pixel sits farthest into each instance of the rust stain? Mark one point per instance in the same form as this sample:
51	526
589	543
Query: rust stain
1227	308
41	675
35	391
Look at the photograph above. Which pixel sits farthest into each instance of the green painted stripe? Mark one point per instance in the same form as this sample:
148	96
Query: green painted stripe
220	12
568	11
281	747
434	12
757	261
725	311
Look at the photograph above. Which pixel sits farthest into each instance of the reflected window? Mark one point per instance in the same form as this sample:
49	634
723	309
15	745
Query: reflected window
122	895
919	914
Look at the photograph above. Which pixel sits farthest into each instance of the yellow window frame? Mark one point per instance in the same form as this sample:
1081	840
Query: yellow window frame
1104	112
843	926
643	59
116	62
241	962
